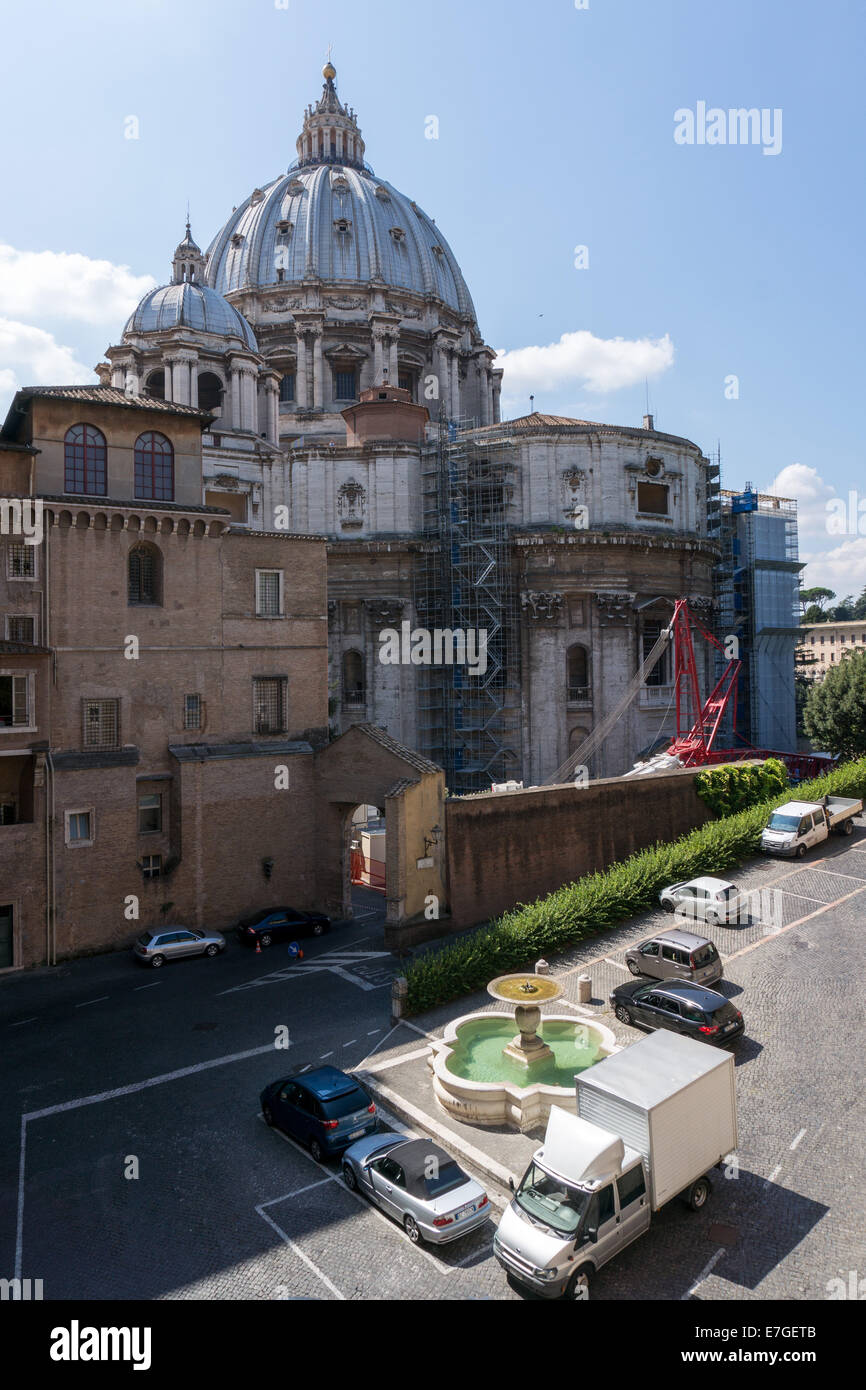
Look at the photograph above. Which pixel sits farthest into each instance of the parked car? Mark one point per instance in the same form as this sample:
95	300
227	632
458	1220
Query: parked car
280	924
798	825
692	1010
324	1109
155	947
711	900
676	955
419	1184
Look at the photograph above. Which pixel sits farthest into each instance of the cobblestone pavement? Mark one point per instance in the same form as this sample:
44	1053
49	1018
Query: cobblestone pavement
223	1208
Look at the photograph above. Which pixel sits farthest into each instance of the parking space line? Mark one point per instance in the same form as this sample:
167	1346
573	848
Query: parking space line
101	1000
398	1061
775	1173
797	1139
705	1273
825	907
618	964
320	1274
22	1021
155	985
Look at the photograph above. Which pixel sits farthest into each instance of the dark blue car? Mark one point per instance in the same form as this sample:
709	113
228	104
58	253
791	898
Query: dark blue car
275	924
324	1109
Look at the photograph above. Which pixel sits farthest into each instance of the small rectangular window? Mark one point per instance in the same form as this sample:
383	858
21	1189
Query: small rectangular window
149	814
269	593
79	827
151	866
7	813
20	628
14	702
192	711
20	561
287	388
652	497
269	705
101	723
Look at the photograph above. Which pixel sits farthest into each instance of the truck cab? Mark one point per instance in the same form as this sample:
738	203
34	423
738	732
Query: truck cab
560	1223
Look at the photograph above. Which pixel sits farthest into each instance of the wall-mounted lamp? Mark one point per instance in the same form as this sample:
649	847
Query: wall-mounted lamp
267	867
432	839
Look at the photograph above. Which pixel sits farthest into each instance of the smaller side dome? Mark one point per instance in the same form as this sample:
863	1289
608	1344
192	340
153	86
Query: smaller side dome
188	302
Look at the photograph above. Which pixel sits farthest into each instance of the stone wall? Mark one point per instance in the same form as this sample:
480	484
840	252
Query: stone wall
514	847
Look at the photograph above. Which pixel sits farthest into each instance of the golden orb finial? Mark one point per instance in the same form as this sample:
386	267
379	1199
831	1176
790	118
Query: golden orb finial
329	72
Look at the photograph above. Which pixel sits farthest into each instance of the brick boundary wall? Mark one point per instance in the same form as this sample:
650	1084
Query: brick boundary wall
514	847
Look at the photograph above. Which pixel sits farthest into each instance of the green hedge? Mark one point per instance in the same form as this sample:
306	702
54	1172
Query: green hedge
732	787
601	900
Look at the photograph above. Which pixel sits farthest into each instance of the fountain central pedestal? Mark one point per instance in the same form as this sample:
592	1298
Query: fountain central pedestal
528	993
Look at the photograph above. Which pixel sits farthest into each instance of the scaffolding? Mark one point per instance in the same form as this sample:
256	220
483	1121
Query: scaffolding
464	584
757	589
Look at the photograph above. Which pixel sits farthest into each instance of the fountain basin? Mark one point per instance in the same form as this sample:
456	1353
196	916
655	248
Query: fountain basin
476	1078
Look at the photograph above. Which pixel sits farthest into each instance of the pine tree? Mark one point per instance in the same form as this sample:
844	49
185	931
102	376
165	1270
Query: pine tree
835	713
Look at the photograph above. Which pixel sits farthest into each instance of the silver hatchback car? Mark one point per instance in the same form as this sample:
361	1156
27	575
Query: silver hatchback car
417	1183
170	943
676	955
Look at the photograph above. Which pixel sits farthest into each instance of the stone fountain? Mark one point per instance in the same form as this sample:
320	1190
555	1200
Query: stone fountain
484	1075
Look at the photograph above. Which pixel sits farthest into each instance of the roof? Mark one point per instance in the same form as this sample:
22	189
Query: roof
102	395
385	740
215	752
22	649
687	939
187	304
414	1158
14	447
564	424
708	882
136	504
300	215
653	1069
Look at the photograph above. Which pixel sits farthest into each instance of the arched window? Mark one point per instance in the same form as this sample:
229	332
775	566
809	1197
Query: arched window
84	460
155	385
210	391
145	574
154	467
578	673
354	685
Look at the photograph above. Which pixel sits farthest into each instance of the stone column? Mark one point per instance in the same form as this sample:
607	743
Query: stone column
248	400
483	394
301	376
377	357
444	378
193	383
236	397
272	388
318	371
393	366
455	385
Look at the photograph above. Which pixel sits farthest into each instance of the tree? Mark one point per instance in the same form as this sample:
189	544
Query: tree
860	607
812	615
818	595
835	712
843	612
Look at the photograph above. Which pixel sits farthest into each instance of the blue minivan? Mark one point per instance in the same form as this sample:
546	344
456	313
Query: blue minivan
324	1109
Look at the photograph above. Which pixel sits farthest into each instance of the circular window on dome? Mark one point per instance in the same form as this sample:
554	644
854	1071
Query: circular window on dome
654	467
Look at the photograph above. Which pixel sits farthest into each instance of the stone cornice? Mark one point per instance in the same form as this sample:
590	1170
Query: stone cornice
634	539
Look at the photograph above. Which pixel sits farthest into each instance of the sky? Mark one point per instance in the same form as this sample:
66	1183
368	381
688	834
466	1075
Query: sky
624	245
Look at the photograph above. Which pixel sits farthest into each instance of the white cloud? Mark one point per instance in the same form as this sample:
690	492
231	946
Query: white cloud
31	357
832	540
582	362
61	284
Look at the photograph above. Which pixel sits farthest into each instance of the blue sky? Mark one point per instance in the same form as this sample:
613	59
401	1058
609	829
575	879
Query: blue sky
556	130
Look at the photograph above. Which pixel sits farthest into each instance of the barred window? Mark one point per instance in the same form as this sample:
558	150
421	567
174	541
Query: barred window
192	711
144	573
20	628
101	723
151	866
7	813
269	593
84	460
345	386
269	704
20	561
14	702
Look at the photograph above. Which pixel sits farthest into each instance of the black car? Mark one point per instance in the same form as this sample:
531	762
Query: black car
684	1008
274	924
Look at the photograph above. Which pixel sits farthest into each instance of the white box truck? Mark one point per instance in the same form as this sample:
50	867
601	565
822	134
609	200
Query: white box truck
651	1121
798	825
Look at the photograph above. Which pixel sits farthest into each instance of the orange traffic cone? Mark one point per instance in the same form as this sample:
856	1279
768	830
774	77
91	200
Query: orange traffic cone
258	947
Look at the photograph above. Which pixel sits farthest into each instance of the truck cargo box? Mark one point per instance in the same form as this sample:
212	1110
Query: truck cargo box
670	1098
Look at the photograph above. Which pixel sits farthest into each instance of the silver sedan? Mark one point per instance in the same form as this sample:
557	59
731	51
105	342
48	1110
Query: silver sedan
170	943
419	1184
